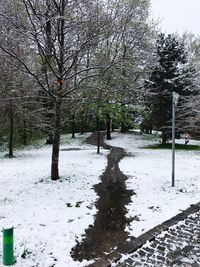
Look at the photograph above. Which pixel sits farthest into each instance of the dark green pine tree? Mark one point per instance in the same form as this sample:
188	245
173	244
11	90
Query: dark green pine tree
169	75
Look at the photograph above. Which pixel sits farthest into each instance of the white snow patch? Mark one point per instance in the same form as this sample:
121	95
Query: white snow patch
149	172
49	217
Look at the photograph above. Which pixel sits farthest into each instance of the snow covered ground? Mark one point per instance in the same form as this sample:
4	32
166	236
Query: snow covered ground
149	172
48	217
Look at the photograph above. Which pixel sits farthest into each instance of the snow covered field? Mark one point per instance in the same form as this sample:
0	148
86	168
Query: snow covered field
150	178
49	217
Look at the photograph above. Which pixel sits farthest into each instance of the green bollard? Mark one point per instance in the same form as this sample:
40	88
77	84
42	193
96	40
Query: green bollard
8	251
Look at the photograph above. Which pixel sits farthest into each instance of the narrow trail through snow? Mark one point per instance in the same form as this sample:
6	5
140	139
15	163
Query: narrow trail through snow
108	230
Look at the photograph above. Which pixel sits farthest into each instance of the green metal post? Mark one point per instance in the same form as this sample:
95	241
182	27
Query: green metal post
8	250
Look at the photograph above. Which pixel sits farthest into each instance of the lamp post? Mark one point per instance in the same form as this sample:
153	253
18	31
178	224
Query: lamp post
175	97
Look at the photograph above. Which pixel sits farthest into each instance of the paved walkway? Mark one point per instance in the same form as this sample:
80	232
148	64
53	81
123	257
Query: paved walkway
175	242
177	246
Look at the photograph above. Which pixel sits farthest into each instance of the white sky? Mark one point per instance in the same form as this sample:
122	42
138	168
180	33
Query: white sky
177	15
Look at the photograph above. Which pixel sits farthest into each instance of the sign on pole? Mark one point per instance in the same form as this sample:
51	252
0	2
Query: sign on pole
175	97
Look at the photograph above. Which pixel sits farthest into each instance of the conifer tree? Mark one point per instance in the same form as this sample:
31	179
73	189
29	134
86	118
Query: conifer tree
169	75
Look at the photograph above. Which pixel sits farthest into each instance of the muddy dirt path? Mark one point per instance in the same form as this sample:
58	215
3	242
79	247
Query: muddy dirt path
108	230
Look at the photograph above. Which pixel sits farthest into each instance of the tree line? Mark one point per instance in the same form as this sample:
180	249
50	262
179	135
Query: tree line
82	65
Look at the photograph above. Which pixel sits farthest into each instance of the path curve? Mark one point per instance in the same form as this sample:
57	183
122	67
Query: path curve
108	231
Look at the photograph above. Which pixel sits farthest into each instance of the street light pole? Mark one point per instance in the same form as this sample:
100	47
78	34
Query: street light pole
175	97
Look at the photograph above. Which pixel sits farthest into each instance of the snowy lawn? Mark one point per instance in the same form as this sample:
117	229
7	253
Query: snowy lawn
49	217
149	172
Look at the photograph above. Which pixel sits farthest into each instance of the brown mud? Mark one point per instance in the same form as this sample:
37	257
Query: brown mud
108	231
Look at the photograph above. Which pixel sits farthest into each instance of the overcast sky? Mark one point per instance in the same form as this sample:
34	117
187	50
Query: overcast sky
178	15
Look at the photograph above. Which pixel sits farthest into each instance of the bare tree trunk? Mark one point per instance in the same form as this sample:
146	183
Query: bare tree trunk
56	143
10	145
24	133
73	126
164	138
98	136
108	124
82	123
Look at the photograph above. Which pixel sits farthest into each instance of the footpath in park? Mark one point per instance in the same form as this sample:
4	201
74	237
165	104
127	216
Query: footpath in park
175	242
108	230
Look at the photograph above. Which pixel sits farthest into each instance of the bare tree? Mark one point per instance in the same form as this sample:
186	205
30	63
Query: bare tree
57	34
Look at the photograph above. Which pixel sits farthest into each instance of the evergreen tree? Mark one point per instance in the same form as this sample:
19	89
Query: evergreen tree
169	75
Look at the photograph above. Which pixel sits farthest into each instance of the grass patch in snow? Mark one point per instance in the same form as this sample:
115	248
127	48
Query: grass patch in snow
169	146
